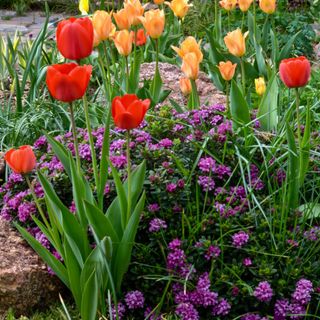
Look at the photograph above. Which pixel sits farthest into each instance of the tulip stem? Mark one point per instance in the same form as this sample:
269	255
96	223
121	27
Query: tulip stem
157	54
135	49
128	74
75	138
129	176
242	22
91	142
228	20
228	101
254	19
243	76
108	76
298	116
35	198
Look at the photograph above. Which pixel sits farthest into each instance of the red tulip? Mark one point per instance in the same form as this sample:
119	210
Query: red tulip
69	81
141	37
295	72
75	38
21	160
128	111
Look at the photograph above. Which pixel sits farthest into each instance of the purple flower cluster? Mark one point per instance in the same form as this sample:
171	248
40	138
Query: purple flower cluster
157	224
263	292
134	299
239	239
302	294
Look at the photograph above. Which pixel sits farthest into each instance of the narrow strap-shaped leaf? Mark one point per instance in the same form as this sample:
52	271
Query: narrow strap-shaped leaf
89	302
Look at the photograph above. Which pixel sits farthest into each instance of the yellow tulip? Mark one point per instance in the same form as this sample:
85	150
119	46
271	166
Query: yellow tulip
235	42
185	86
189	45
153	21
123	41
228	4
267	6
244	5
122	19
179	7
260	86
190	66
103	25
84	6
227	70
134	10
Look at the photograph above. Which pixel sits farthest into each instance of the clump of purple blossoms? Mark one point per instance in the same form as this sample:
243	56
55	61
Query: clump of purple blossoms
121	311
187	311
281	309
302	294
134	299
157	224
212	252
239	239
176	259
263	292
207	164
222	308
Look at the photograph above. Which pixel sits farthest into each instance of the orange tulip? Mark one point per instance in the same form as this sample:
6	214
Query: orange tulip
235	42
153	21
122	19
244	5
102	24
96	39
135	10
123	41
21	160
189	45
185	86
179	7
227	70
228	4
267	6
158	2
190	65
141	38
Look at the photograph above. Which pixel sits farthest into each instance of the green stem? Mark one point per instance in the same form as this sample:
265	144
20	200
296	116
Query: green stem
228	20
254	19
195	95
242	22
216	8
75	138
129	176
43	216
298	117
157	54
107	84
127	72
228	100
91	142
243	76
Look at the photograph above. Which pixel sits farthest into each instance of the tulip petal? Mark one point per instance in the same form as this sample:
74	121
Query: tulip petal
128	99
125	121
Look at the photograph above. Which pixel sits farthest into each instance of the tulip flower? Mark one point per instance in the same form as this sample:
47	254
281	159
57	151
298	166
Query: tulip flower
190	65
179	7
235	42
227	70
128	111
140	39
260	86
295	72
134	10
123	41
122	19
244	5
102	24
154	21
228	4
84	6
68	82
267	6
21	160
75	38
158	2
185	86
189	45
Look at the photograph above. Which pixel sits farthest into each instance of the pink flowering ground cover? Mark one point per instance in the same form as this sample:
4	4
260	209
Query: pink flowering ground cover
204	248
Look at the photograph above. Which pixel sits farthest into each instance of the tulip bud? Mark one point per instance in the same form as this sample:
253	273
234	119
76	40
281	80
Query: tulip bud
123	41
158	2
185	86
153	21
140	38
189	45
179	7
122	19
227	70
235	42
134	10
21	160
102	24
190	66
267	6
260	86
244	5
84	6
228	4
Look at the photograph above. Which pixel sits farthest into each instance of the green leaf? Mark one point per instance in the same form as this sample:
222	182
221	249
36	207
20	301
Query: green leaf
268	108
89	302
135	72
293	170
286	50
260	60
275	47
215	76
310	210
123	254
305	148
251	27
156	86
176	106
239	107
57	267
